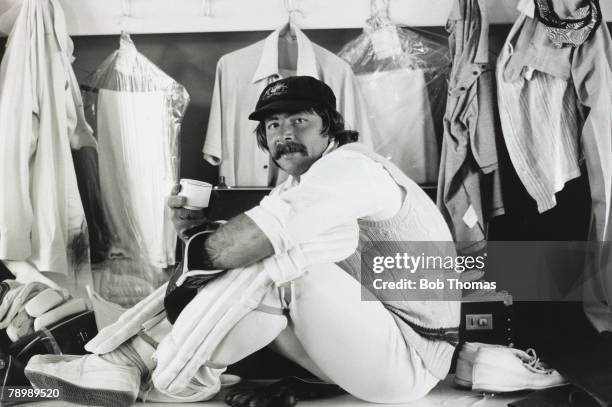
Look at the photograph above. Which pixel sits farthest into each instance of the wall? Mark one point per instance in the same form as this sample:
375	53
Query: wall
92	17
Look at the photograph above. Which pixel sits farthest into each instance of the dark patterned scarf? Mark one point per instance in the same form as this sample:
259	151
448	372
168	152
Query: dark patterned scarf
573	31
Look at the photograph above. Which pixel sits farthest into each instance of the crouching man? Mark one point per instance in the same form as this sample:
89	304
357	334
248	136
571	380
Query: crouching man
340	200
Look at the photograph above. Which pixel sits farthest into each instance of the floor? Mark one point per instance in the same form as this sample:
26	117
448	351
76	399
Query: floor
445	394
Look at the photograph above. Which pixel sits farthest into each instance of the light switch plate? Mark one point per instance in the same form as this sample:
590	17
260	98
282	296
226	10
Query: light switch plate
476	322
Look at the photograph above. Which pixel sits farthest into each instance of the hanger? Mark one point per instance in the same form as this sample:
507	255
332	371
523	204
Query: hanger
379	13
126	13
288	31
125	40
207	8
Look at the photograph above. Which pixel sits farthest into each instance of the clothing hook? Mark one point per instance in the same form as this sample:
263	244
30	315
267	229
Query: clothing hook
379	8
292	9
207	8
126	10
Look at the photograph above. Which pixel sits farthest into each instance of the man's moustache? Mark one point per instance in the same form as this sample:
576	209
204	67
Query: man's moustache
287	148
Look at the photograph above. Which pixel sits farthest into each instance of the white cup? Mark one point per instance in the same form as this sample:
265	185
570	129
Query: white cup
197	193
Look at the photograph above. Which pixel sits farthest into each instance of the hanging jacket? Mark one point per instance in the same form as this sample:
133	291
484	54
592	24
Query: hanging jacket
469	185
41	119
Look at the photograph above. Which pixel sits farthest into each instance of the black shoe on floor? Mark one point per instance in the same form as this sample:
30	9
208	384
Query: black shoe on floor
284	393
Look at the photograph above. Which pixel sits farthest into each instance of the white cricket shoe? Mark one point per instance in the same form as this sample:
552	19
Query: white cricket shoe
506	369
465	362
85	380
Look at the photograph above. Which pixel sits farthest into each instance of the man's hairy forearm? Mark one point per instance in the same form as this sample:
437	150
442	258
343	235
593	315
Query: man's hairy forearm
238	243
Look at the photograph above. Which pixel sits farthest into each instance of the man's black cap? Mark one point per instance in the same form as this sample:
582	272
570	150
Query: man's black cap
293	94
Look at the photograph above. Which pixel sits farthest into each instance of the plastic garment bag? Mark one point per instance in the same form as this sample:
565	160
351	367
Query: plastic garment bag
137	112
402	77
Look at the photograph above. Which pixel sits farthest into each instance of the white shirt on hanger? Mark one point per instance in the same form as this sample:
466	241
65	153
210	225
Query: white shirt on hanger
240	78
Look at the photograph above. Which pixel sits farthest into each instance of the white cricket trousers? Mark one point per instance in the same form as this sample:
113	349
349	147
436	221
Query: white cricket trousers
330	331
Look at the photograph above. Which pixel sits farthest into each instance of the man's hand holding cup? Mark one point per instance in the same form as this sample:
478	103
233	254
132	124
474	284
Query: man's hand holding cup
187	202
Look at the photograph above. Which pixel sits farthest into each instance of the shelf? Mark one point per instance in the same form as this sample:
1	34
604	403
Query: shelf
95	17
